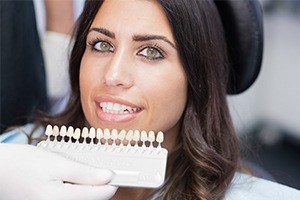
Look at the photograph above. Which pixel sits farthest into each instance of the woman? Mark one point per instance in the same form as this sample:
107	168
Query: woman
173	72
166	62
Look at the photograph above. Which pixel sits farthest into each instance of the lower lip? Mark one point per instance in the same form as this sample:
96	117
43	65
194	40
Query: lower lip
116	118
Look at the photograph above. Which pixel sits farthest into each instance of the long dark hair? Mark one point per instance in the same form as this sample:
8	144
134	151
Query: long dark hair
206	159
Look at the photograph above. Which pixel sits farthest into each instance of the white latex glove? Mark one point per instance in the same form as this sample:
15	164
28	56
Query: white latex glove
30	173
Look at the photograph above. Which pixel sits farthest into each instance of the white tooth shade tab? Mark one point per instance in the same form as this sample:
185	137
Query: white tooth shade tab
121	135
129	135
92	133
63	131
106	134
70	132
76	134
136	135
114	136
151	138
110	136
85	132
55	131
48	131
144	138
99	133
159	138
138	164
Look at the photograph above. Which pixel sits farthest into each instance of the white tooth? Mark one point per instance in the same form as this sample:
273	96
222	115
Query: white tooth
134	109
109	106
123	107
116	107
101	104
128	108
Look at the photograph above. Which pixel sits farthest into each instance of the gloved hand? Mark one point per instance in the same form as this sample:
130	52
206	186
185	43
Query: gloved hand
30	173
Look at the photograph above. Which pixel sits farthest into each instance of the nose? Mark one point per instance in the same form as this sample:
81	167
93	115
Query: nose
118	72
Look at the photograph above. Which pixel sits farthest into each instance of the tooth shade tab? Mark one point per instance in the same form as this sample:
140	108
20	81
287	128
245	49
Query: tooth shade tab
99	135
151	138
70	131
121	135
136	135
85	132
55	131
92	133
129	136
63	131
159	138
114	136
76	134
144	138
108	137
48	131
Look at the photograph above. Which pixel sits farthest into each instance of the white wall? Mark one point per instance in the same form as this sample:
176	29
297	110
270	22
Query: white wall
275	96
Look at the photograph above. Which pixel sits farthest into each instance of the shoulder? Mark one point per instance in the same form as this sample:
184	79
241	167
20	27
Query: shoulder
20	135
247	187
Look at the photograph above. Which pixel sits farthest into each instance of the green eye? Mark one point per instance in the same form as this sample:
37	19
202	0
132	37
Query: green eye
103	47
151	53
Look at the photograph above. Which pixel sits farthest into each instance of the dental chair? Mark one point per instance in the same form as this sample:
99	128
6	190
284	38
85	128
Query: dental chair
243	24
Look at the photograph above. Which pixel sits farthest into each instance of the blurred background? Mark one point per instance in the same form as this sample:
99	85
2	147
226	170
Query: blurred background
267	115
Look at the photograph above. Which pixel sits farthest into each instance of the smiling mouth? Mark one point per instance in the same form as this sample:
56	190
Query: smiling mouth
116	108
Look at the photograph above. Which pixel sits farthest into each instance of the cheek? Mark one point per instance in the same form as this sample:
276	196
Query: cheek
167	94
86	83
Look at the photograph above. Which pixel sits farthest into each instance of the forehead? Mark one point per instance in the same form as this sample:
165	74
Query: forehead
133	17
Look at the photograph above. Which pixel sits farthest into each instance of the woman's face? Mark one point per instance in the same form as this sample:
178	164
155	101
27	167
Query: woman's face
130	74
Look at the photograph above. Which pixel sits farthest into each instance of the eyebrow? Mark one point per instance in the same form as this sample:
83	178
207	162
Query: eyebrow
104	31
142	38
138	38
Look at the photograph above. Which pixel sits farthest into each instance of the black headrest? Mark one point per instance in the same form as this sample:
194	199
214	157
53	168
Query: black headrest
243	24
